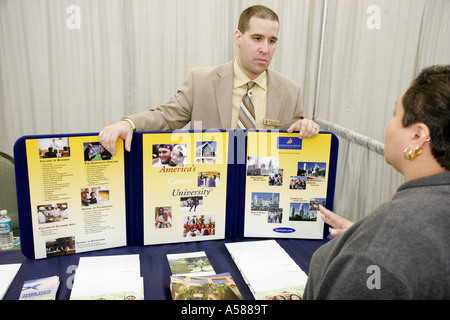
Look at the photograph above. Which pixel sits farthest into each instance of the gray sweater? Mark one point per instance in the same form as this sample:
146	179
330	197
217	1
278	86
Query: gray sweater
399	251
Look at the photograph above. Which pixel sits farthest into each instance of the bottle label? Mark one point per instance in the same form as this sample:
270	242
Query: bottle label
5	227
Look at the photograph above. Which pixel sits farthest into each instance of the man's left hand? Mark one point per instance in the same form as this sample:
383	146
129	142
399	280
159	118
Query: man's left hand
306	128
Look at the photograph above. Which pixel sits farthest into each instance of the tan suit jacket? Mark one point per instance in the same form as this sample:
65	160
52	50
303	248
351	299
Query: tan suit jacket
206	96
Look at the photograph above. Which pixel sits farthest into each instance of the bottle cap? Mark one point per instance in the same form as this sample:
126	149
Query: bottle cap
3	212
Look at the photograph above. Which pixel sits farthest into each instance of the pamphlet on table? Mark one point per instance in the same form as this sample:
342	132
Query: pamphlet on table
190	263
270	273
40	289
115	277
7	275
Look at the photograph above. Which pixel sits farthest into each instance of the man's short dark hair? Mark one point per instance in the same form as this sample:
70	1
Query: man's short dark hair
258	11
427	100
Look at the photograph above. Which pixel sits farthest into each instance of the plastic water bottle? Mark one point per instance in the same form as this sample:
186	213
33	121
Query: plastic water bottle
6	233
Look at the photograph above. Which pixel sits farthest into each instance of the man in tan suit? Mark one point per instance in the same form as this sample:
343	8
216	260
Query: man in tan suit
210	98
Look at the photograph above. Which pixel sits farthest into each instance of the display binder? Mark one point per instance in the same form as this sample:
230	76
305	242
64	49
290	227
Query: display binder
218	184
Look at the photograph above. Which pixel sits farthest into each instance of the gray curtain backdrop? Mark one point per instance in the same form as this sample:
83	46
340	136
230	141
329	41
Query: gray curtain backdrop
76	66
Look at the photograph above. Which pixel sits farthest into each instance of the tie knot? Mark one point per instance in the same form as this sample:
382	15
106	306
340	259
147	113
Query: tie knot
250	85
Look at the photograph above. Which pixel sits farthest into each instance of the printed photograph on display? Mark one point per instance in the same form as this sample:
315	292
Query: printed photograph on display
312	171
60	246
94	196
297	183
48	213
169	155
163	217
191	204
262	166
276	178
94	151
199	226
205	152
209	179
314	207
275	215
299	212
54	147
263	201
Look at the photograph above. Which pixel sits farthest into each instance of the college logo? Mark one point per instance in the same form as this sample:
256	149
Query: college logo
293	143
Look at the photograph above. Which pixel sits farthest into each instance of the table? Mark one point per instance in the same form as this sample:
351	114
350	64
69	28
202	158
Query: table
154	266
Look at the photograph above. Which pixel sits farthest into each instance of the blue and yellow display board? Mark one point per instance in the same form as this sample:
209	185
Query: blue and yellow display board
74	196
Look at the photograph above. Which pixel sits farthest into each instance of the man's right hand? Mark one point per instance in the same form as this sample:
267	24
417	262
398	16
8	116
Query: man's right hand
110	134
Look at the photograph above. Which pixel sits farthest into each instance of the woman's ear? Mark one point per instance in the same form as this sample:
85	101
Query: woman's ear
421	133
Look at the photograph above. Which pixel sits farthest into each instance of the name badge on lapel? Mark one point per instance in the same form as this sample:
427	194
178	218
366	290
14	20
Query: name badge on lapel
270	122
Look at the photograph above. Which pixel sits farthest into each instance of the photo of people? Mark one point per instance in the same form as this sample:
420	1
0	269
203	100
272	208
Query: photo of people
297	183
54	148
163	217
315	202
208	179
48	213
313	171
60	247
191	204
199	226
283	294
275	215
173	155
94	196
205	152
94	151
276	178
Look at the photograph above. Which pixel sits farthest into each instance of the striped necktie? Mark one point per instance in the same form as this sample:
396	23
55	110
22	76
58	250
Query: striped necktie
247	110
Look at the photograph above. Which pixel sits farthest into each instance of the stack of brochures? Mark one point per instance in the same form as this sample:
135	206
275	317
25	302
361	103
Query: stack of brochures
7	274
268	270
193	278
108	278
40	289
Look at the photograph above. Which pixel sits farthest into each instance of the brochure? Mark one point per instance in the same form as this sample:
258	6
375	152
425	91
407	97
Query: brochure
190	263
268	270
40	289
108	278
7	275
213	287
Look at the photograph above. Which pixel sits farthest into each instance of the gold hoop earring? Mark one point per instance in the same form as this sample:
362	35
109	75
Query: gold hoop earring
411	154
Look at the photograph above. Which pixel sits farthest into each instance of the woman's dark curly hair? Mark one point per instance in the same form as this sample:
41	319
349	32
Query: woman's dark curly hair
427	100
